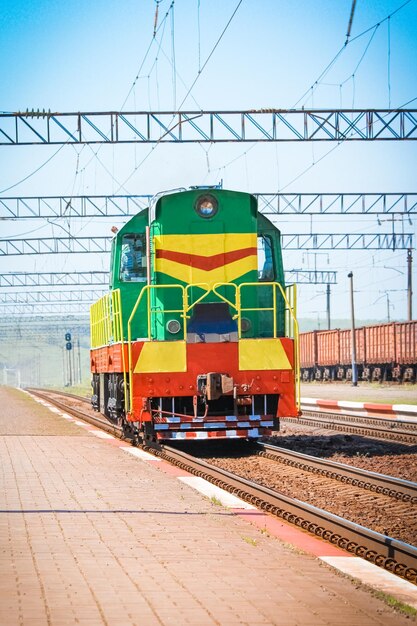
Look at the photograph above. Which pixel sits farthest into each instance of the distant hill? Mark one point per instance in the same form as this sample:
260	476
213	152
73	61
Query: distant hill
306	324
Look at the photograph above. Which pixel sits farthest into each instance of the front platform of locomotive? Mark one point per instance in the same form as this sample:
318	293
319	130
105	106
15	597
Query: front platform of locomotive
209	352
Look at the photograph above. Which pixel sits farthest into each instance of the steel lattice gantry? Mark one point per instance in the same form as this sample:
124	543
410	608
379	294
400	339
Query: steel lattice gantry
41	127
44	308
39	297
311	277
90	279
269	204
53	279
311	241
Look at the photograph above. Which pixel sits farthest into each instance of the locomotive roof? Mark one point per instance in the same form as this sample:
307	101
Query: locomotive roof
191	190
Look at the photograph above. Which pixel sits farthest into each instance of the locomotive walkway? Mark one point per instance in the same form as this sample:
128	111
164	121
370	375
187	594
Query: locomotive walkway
93	532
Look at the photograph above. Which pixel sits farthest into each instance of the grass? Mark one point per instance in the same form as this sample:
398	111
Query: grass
250	541
388	599
40	364
406	609
216	501
83	390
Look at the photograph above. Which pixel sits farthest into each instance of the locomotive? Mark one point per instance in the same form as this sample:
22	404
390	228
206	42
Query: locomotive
197	337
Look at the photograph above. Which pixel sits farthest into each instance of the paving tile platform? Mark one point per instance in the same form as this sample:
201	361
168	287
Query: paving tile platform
91	535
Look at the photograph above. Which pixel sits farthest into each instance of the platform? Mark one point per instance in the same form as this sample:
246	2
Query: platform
91	533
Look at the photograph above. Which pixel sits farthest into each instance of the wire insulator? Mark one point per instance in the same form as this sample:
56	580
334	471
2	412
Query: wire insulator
155	23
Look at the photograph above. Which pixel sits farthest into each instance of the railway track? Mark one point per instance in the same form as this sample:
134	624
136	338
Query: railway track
386	552
376	427
379	428
401	490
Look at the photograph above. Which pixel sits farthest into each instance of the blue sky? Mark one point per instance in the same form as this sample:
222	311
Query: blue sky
80	56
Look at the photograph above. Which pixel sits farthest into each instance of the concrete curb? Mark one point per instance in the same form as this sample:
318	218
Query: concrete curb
405	412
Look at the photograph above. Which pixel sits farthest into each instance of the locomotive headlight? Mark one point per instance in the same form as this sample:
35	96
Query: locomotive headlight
206	206
245	324
173	327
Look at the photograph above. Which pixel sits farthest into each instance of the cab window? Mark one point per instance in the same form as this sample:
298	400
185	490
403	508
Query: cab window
266	270
133	258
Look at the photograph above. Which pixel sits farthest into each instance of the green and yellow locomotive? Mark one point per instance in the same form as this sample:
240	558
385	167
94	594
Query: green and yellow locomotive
197	337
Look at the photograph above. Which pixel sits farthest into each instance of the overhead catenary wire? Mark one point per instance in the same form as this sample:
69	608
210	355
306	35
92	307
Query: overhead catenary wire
174	73
198	36
35	171
364	32
315	84
22	180
157	28
151	43
389	63
211	53
170	127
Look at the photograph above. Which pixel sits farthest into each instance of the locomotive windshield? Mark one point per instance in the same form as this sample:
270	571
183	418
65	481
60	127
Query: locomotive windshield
133	258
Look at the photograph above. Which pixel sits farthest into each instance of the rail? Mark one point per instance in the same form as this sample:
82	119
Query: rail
376	427
385	552
392	486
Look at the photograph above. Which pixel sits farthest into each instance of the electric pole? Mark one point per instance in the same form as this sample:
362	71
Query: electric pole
352	311
409	285
328	305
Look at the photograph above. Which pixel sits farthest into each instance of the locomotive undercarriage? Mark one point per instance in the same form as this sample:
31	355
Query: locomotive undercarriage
108	398
262	404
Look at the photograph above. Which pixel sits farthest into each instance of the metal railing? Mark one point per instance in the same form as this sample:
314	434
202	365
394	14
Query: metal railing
106	324
107	320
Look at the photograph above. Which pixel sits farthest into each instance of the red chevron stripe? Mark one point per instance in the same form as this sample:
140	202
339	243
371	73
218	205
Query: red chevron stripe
206	262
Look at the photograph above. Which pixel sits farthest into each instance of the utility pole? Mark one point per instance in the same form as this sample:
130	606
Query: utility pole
328	305
79	360
64	368
68	347
352	311
388	304
409	285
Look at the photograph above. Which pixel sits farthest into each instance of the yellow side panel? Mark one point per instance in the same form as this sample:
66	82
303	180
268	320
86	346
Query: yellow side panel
206	245
262	354
162	356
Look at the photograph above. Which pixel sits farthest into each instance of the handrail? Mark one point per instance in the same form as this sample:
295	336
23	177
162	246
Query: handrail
188	307
219	295
147	289
117	319
106	320
291	310
99	322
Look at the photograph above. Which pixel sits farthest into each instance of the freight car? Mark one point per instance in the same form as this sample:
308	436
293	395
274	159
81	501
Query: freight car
197	336
383	352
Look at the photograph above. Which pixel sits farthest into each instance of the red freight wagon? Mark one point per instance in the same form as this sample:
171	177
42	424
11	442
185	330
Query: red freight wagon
308	349
383	352
345	337
308	354
406	342
380	344
328	348
406	351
